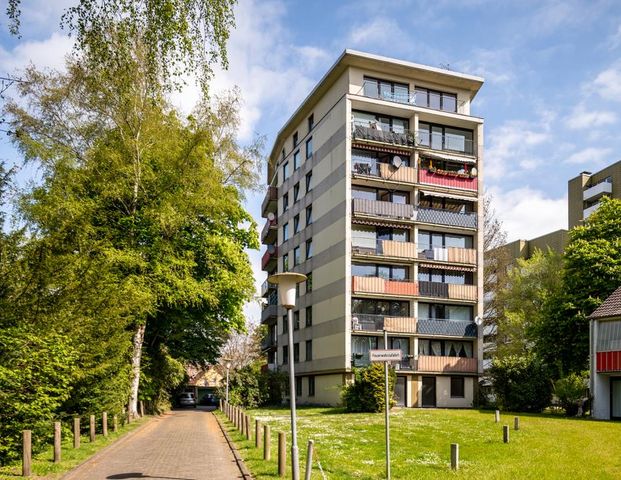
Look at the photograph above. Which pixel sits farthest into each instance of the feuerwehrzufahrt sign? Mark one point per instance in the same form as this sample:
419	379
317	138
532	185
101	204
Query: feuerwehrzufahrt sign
385	355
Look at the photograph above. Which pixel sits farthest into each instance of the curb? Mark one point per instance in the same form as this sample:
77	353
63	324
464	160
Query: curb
245	473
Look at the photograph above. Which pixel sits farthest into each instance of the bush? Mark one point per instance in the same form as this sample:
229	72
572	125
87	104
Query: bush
366	394
571	391
521	383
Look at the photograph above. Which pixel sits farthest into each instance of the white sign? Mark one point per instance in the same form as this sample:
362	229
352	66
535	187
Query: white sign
385	355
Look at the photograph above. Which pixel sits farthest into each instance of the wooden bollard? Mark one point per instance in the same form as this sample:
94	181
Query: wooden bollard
76	432
26	453
115	423
104	423
92	428
282	454
57	441
247	425
497	416
267	443
505	433
257	433
309	460
454	456
141	408
516	423
129	417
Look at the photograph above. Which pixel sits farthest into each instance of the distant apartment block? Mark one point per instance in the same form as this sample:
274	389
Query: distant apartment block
374	192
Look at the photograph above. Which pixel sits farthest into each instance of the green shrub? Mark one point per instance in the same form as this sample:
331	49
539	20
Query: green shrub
571	390
366	393
521	383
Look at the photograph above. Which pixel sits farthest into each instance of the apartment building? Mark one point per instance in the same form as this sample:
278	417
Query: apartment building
375	194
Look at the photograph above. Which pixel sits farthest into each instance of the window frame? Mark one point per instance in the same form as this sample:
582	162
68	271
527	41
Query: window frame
309	153
296	193
308	348
297	160
309	181
308	319
309	217
455	391
311	122
311	385
309	251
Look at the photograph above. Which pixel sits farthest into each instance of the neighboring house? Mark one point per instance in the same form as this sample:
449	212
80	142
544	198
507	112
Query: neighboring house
374	192
203	382
605	341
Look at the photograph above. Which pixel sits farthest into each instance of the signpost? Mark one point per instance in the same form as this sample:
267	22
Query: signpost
386	356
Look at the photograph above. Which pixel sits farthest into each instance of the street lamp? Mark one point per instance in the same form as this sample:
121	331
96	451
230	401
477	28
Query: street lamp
286	296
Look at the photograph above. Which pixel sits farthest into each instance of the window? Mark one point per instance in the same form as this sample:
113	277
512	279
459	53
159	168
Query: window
309	248
285	171
296	320
311	386
296	160
439	137
285	202
309	350
438	311
298	386
285	354
296	256
296	192
309	215
285	262
295	139
377	123
296	352
393	308
457	387
388	272
442	203
434	99
394	234
386	90
283	155
285	232
309	316
309	282
445	348
311	122
296	224
309	148
285	324
430	240
309	181
438	275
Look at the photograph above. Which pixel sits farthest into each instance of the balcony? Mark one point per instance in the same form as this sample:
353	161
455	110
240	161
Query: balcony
269	232
449	254
269	313
448	290
363	360
445	327
428	363
367	133
446	217
608	361
377	323
446	142
384	286
270	202
266	286
598	189
268	342
383	209
446	178
268	261
387	248
588	211
385	171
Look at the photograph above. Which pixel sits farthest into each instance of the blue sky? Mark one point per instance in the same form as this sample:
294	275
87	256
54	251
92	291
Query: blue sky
550	102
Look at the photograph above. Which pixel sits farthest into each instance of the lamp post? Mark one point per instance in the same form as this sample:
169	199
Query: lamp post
286	295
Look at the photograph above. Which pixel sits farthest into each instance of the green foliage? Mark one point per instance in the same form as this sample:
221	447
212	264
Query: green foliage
160	379
571	391
521	383
246	386
367	392
35	378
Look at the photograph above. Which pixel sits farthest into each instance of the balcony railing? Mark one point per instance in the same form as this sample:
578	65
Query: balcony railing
435	326
605	186
269	312
373	168
265	286
446	217
446	142
429	363
384	286
401	137
270	201
588	211
268	342
383	209
363	360
385	248
269	232
448	290
376	323
269	257
449	254
447	179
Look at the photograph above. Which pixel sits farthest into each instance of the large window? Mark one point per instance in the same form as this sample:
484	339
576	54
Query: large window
394	196
439	137
453	277
381	122
457	387
429	240
367	162
445	348
386	90
392	308
438	311
443	203
435	99
360	346
388	272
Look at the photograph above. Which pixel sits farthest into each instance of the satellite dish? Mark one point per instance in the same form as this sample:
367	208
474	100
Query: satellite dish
396	161
478	321
474	172
271	216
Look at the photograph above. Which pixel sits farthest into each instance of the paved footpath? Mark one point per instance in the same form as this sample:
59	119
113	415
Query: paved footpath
181	445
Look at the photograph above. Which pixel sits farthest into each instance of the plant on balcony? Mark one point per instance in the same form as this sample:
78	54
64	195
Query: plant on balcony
448	173
366	393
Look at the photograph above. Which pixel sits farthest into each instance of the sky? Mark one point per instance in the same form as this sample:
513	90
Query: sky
550	101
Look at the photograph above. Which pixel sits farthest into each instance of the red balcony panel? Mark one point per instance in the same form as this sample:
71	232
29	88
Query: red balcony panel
447	180
608	362
270	254
401	288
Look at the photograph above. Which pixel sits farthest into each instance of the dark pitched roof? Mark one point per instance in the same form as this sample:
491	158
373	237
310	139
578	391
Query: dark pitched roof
610	308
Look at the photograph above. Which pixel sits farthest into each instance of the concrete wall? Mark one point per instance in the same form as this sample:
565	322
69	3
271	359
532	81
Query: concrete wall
443	393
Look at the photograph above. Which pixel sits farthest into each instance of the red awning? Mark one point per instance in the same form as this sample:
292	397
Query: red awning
444	266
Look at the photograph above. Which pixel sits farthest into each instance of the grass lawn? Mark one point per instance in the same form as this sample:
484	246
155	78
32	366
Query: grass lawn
44	468
352	445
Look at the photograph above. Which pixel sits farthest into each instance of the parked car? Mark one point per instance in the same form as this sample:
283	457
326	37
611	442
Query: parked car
186	399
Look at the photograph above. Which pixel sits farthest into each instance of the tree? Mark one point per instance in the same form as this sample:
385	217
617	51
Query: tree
367	392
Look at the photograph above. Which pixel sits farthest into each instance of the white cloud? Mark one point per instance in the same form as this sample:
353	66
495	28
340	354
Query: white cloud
608	83
527	213
596	156
48	53
580	118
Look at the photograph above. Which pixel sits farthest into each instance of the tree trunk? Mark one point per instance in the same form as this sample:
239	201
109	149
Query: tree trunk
136	356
